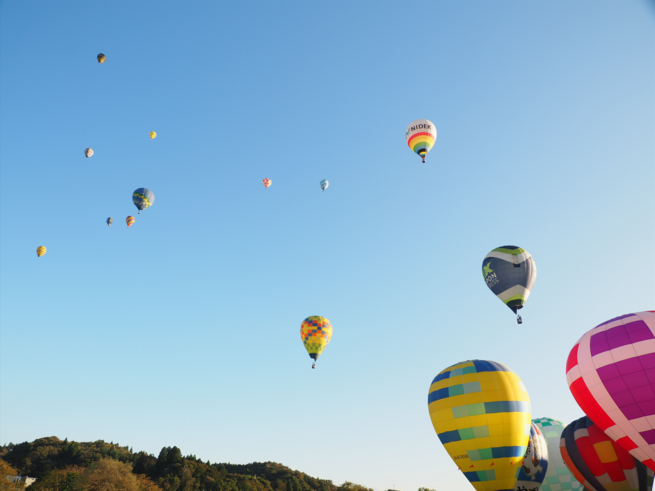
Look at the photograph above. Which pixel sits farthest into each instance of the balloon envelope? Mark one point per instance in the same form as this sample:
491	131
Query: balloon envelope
558	477
611	374
143	198
420	136
481	413
129	220
101	58
40	251
153	135
598	462
324	184
110	220
510	273
267	182
88	152
315	332
535	463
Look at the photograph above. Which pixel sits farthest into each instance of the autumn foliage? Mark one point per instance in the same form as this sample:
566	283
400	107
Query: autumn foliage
100	466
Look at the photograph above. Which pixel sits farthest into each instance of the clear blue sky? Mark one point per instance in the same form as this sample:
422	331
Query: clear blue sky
184	329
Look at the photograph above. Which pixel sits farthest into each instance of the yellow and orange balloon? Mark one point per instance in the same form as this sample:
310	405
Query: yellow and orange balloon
315	332
130	220
153	135
40	251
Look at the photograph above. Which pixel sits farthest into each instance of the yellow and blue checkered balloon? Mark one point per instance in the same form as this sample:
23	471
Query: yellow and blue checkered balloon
315	332
481	412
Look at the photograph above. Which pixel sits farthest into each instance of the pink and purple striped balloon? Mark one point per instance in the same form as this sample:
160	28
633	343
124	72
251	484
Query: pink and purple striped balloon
611	374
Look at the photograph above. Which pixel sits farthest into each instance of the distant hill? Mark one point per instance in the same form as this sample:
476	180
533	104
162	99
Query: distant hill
100	466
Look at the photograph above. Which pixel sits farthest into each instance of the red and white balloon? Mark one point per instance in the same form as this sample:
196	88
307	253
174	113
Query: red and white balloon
611	374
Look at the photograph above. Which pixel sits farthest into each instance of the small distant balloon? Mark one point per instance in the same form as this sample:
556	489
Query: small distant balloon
267	182
40	251
130	220
420	136
110	220
324	184
153	135
315	333
143	198
101	58
88	152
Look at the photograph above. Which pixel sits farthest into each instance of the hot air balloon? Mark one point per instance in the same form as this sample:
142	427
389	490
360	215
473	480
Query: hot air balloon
611	374
143	198
110	220
88	152
153	135
267	182
421	135
481	413
315	332
510	272
535	463
129	220
40	251
598	462
558	477
324	184
101	58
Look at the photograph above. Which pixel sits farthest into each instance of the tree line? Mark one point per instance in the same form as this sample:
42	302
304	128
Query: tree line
60	465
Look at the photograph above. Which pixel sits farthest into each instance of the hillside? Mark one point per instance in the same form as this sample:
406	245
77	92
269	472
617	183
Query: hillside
61	465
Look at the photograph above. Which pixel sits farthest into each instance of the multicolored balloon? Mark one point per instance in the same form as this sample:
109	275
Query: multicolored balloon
535	463
420	136
101	58
598	462
110	220
611	374
130	221
558	477
315	332
324	184
40	251
88	152
153	135
510	273
267	182
481	413
143	198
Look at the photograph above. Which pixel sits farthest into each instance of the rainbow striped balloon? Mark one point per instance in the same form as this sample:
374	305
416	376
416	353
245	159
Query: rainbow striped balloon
267	182
315	332
481	413
420	136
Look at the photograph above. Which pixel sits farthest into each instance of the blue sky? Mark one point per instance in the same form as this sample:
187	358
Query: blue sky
184	329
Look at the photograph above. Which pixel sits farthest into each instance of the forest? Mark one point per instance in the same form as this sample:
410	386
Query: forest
62	465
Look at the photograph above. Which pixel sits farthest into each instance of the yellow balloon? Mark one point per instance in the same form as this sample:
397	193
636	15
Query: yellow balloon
315	332
153	135
481	412
40	251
